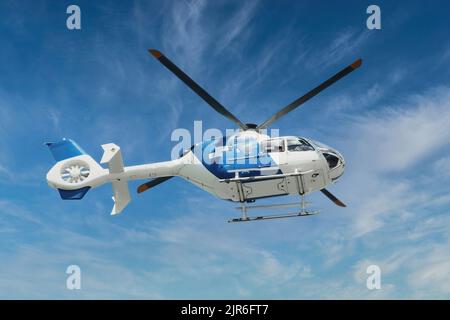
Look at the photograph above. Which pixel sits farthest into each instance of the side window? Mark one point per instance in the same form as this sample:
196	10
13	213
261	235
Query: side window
272	146
246	148
298	145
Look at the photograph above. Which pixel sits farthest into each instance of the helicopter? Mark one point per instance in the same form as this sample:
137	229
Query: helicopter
242	168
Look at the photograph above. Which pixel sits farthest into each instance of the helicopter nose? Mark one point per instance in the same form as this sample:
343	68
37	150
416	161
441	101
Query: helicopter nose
339	155
336	163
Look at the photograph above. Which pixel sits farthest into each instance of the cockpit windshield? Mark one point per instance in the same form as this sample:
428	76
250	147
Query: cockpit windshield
320	145
298	144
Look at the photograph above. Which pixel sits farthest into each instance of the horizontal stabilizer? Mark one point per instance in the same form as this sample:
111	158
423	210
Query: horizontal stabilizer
76	194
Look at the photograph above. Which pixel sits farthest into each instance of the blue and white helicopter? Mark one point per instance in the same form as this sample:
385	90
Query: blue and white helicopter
242	168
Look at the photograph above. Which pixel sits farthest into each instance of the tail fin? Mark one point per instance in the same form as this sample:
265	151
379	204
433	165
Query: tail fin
121	195
64	149
76	172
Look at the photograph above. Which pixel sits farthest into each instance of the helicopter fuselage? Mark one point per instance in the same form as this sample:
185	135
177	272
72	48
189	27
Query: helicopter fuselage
242	168
250	166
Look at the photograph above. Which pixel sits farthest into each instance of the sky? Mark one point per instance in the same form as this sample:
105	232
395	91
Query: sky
390	120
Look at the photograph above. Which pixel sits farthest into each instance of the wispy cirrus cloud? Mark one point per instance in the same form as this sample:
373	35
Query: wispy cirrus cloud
383	144
186	240
407	133
183	34
237	25
343	44
442	167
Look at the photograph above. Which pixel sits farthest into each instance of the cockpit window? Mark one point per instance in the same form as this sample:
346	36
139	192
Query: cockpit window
320	145
276	145
299	145
332	160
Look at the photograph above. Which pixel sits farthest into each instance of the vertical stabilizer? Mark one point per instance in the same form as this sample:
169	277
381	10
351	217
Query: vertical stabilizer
121	194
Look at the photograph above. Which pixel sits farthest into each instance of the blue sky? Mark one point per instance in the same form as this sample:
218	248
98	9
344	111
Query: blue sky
390	119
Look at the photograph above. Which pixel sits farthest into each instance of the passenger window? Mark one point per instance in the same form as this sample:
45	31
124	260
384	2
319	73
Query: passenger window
247	148
272	146
298	145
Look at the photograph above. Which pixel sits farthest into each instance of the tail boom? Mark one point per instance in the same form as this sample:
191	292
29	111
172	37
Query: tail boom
76	172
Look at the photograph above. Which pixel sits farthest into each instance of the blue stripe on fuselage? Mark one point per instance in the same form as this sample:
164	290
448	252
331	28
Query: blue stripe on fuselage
234	159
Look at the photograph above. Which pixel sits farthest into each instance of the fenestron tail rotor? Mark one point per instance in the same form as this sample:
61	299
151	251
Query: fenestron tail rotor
296	103
75	172
216	105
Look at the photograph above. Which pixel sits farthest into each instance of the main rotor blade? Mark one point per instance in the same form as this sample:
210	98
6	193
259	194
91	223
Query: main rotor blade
152	183
330	196
311	93
196	88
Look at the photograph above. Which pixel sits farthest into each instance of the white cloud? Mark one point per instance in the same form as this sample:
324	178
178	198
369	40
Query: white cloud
396	138
442	167
342	45
237	24
183	34
4	172
430	276
201	244
39	273
367	97
10	210
392	140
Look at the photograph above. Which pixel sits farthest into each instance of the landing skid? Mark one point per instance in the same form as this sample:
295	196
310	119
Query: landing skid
245	218
275	216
